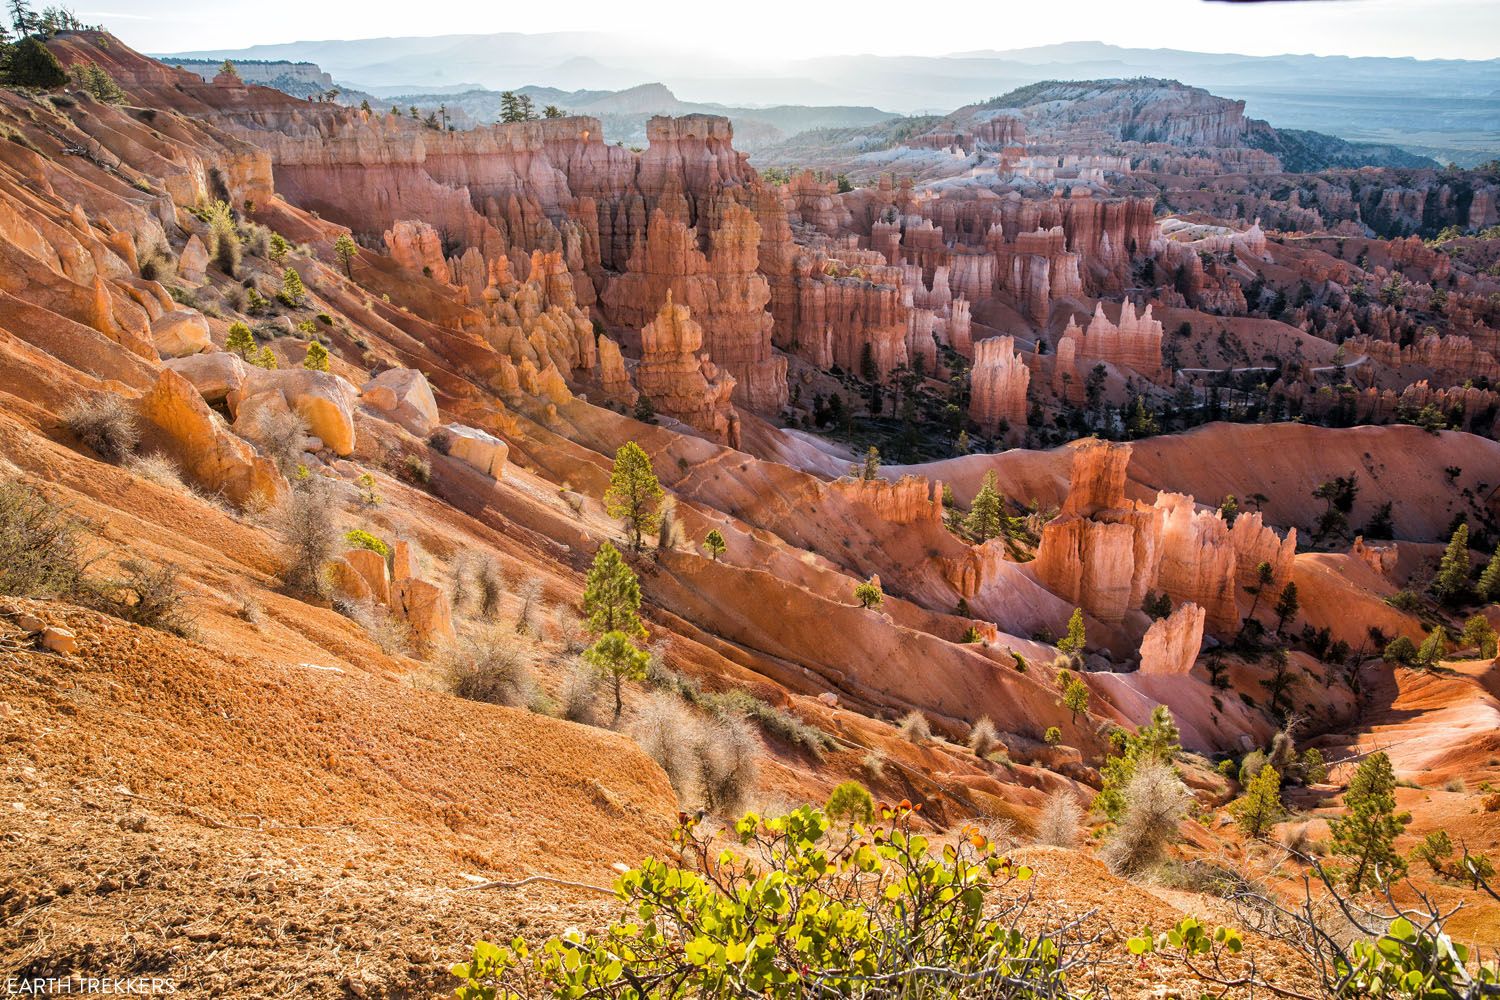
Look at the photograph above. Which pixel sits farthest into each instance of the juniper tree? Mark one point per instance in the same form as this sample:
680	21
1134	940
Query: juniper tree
868	594
634	495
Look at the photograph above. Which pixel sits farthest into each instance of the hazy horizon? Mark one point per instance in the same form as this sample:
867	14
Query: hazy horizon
1441	29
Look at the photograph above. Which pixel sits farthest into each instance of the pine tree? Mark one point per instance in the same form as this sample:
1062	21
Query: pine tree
32	64
869	594
1433	647
618	659
347	250
265	359
1489	580
1366	833
552	111
1264	574
871	468
1076	698
1229	508
277	248
240	341
292	290
317	357
634	493
612	596
1287	606
1074	641
1260	808
986	518
1479	634
22	18
714	544
1452	582
510	107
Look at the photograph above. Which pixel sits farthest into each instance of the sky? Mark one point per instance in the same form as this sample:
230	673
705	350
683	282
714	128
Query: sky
1462	29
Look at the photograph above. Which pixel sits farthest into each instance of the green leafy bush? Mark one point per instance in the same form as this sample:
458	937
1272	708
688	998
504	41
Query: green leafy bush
362	539
792	912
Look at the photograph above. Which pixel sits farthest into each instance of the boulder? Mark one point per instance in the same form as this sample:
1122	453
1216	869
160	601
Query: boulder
192	263
180	333
475	447
215	375
59	640
372	570
347	581
177	420
424	608
403	396
325	402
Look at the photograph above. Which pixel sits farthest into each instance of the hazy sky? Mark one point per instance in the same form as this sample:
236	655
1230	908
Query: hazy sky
1468	29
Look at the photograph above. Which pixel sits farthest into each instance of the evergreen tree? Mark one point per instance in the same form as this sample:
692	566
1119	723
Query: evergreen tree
1287	606
227	68
527	107
634	493
714	544
1260	808
870	471
292	291
1158	741
618	659
1229	508
1074	641
22	17
316	358
868	594
265	359
32	64
612	595
1366	833
552	111
1433	647
1264	574
1479	634
986	518
240	341
510	107
1489	580
223	237
1452	582
276	250
347	250
1076	698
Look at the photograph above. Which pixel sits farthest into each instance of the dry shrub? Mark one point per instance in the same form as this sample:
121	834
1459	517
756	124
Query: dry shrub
490	585
311	534
249	610
282	437
710	760
580	694
41	546
915	728
874	765
489	664
1296	837
1060	822
105	424
982	738
160	471
390	634
149	595
1155	801
529	617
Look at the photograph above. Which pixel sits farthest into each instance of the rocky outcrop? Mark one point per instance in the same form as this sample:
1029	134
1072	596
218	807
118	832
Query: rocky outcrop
416	246
612	374
1171	644
1254	542
1101	552
908	500
679	381
999	380
1133	343
403	396
178	422
725	293
1198	562
215	375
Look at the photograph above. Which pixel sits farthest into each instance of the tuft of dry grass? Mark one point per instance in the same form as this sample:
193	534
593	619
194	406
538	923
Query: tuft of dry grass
1060	823
915	728
105	424
983	739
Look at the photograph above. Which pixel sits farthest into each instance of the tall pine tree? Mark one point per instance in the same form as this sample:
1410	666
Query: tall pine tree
1366	834
634	493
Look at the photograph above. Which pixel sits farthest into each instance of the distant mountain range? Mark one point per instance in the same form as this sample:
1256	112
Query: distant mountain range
1448	108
